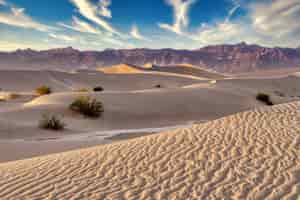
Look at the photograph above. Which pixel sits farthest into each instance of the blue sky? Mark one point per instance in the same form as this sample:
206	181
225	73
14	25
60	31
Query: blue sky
188	24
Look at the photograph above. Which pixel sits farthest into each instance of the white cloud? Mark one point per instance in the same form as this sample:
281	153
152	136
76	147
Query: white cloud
278	18
81	26
91	12
135	33
267	23
17	17
181	19
236	6
62	37
103	8
2	2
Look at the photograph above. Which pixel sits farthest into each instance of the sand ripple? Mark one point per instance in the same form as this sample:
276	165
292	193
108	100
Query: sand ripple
250	155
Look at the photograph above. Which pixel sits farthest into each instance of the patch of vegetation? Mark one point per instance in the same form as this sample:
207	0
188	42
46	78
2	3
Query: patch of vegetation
87	106
82	90
43	90
265	98
12	96
98	89
51	122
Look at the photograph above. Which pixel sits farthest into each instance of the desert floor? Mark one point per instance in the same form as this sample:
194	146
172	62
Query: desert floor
249	155
133	105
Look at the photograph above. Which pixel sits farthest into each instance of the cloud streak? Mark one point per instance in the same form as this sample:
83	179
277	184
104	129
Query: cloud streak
62	37
91	12
181	20
80	26
2	2
135	33
17	17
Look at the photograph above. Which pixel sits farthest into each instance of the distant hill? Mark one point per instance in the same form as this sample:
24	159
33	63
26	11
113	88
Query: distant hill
236	58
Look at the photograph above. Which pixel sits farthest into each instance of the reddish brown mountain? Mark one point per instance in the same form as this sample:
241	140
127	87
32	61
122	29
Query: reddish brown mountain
222	58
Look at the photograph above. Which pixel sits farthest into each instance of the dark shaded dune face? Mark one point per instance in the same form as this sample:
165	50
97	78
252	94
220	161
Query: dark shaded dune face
66	82
186	70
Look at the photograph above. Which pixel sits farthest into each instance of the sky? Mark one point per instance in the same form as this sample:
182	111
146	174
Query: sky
123	24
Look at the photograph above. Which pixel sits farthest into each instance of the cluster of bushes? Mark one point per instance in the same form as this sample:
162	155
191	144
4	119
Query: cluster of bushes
51	122
43	90
265	98
95	89
87	106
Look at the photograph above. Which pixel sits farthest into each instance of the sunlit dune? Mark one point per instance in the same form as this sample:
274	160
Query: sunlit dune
121	69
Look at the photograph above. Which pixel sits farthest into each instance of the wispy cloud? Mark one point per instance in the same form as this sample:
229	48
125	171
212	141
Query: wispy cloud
2	2
103	8
236	6
80	26
278	18
62	37
268	23
181	19
135	33
91	12
17	17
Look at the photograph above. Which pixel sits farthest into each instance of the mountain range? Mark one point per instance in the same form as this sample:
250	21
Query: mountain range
235	58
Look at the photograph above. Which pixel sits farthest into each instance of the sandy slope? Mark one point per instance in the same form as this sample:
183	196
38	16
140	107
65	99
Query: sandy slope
121	69
250	155
22	81
180	70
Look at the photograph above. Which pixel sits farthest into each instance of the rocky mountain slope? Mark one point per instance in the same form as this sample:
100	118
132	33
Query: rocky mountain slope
240	57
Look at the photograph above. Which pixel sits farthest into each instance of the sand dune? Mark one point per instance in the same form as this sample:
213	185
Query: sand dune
250	155
27	81
133	104
121	69
189	70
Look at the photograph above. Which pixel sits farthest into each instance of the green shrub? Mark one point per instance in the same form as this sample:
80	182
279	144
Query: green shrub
265	98
98	89
43	90
51	122
87	106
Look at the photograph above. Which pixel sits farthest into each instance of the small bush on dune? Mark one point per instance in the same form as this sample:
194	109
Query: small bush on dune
43	90
87	106
82	90
51	122
98	89
158	86
265	98
12	96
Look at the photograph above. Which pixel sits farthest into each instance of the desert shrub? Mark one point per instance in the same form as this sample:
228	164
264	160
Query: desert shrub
265	98
82	90
43	90
87	106
12	96
51	122
98	89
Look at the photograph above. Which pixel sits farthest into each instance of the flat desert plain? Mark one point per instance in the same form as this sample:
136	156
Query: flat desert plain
162	136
